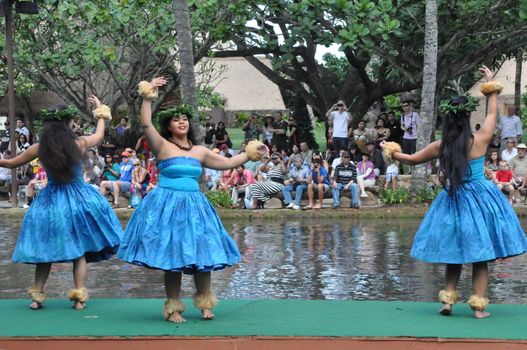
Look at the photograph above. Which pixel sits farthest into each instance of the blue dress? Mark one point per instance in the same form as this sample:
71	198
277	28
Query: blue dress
478	224
175	228
67	221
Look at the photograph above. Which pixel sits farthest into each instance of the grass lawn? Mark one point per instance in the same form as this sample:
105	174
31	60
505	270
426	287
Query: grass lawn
236	135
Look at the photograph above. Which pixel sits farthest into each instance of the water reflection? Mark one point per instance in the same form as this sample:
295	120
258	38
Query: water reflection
307	259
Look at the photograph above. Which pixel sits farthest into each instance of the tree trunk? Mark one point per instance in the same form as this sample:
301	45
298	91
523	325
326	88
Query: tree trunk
518	81
428	92
186	59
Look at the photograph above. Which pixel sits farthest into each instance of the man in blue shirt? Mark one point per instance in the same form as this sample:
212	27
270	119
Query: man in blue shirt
297	182
123	184
317	178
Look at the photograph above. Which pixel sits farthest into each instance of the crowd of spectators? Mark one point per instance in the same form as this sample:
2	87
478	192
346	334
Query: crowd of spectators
352	163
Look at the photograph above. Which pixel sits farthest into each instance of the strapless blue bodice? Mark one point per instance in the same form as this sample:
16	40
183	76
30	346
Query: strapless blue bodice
179	173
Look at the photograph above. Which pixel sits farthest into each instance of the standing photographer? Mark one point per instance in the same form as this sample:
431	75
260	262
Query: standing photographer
339	119
409	125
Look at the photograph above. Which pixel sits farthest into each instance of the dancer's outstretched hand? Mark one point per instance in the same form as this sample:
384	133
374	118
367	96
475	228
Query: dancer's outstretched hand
94	101
487	73
382	144
158	81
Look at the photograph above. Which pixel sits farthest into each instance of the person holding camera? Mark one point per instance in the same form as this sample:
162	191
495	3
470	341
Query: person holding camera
251	128
409	125
111	170
317	178
339	119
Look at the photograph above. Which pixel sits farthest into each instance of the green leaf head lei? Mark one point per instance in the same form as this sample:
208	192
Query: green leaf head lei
59	113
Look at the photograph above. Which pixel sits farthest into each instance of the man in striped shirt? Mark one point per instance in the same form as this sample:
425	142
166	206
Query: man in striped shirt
344	177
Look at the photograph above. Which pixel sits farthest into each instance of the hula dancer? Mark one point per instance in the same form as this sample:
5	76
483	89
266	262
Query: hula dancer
471	221
69	220
175	228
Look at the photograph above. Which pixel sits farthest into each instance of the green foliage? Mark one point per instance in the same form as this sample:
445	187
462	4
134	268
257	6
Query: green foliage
241	118
399	196
426	195
402	195
209	99
472	103
220	199
303	122
393	104
523	111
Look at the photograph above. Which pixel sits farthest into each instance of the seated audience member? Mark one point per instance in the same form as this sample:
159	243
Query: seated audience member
36	184
382	133
504	180
511	151
110	170
366	177
376	158
140	177
294	154
226	178
391	175
122	185
221	136
153	175
518	166
337	159
492	164
307	154
344	177
318	178
355	152
93	159
262	191
90	176
361	134
242	179
297	182
22	144
5	173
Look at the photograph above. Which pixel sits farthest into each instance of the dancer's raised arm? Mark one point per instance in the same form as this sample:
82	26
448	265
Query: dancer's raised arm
23	158
101	112
155	140
487	131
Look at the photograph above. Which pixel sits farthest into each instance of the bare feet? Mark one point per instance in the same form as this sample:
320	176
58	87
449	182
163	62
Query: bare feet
35	305
78	305
176	318
481	314
207	314
318	206
446	310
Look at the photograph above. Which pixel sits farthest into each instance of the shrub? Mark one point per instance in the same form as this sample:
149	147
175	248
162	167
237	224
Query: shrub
399	196
220	199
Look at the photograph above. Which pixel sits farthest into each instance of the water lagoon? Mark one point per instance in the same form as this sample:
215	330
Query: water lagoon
366	259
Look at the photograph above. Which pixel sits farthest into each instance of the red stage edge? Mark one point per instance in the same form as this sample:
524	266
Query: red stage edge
256	343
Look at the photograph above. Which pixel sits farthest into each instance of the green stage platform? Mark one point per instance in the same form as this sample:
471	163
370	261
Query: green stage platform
266	318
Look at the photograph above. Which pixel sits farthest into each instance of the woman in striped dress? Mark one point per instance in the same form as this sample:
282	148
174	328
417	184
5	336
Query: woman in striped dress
262	190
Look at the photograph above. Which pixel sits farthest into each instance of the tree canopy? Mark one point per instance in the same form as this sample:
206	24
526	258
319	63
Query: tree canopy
382	42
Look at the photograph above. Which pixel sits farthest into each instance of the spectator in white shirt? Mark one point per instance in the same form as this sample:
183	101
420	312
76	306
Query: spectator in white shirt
339	119
21	129
511	151
510	126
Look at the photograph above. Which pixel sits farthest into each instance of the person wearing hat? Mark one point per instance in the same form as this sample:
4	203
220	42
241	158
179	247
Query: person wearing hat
122	185
275	169
518	166
344	177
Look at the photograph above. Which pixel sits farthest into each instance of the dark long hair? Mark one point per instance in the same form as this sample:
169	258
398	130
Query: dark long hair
58	150
164	123
455	146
